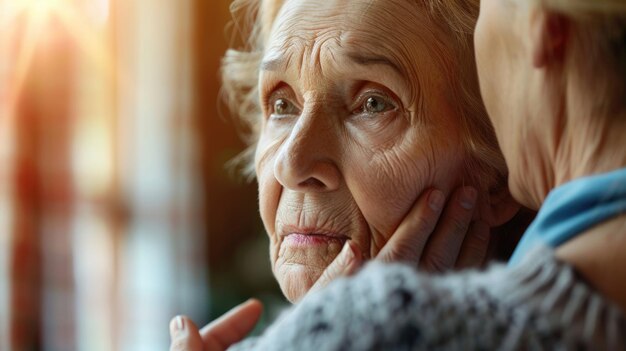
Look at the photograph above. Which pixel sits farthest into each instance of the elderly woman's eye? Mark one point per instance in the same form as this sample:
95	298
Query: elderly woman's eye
284	107
375	104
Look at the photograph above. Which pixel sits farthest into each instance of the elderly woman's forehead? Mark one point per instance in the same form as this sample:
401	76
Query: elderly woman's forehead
310	19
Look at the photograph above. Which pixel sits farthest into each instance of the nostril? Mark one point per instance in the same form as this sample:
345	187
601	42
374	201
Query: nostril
313	183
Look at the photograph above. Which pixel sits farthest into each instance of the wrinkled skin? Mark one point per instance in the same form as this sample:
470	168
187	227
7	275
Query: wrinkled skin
357	123
357	126
502	42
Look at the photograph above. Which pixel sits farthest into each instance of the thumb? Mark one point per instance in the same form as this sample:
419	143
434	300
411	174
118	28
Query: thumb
232	327
346	263
185	335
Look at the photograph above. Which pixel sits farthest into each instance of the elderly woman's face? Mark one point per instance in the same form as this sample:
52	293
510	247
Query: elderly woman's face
357	123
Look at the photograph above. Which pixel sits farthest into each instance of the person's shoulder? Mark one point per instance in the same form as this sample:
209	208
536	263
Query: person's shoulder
539	303
394	275
557	305
392	305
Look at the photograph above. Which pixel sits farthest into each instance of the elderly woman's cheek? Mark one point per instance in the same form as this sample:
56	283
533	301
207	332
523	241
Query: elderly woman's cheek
269	190
388	188
297	268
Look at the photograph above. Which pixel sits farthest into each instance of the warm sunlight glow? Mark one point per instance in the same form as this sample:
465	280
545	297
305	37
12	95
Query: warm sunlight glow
33	8
35	21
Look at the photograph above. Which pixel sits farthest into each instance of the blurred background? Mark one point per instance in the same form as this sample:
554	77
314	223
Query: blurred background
117	211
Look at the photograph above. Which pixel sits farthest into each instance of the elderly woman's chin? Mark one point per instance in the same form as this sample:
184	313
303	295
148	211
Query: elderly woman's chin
300	260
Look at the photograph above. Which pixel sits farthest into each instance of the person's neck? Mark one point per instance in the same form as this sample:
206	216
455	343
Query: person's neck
580	147
586	141
587	149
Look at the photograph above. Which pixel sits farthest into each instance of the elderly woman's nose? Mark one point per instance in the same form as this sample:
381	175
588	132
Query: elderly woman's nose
307	160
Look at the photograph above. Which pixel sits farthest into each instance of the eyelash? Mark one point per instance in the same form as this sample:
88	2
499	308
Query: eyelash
275	94
360	110
270	106
364	98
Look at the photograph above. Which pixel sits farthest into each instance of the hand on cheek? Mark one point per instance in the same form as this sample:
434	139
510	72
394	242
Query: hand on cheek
346	263
456	241
434	236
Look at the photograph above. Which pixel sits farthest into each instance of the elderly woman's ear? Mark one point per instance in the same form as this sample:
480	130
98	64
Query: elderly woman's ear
498	208
548	34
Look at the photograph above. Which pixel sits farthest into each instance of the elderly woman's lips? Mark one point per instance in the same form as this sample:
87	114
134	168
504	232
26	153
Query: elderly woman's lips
298	239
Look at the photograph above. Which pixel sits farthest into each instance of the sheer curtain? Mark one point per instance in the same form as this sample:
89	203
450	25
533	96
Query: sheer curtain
102	238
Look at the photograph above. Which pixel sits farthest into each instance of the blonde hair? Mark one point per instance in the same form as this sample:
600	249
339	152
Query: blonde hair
455	19
597	57
583	8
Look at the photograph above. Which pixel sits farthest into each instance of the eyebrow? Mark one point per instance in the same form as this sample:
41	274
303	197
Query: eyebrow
280	63
276	64
373	60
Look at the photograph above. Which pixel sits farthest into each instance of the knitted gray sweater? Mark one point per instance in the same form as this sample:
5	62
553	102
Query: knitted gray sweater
540	304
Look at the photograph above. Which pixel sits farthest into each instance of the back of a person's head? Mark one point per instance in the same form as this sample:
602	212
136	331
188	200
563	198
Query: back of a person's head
597	47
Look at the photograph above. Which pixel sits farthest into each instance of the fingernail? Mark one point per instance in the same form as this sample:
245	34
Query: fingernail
180	323
436	200
468	197
177	325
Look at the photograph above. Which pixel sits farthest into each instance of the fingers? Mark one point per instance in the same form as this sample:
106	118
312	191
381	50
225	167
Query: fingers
475	246
445	243
346	263
220	334
184	335
232	327
408	242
